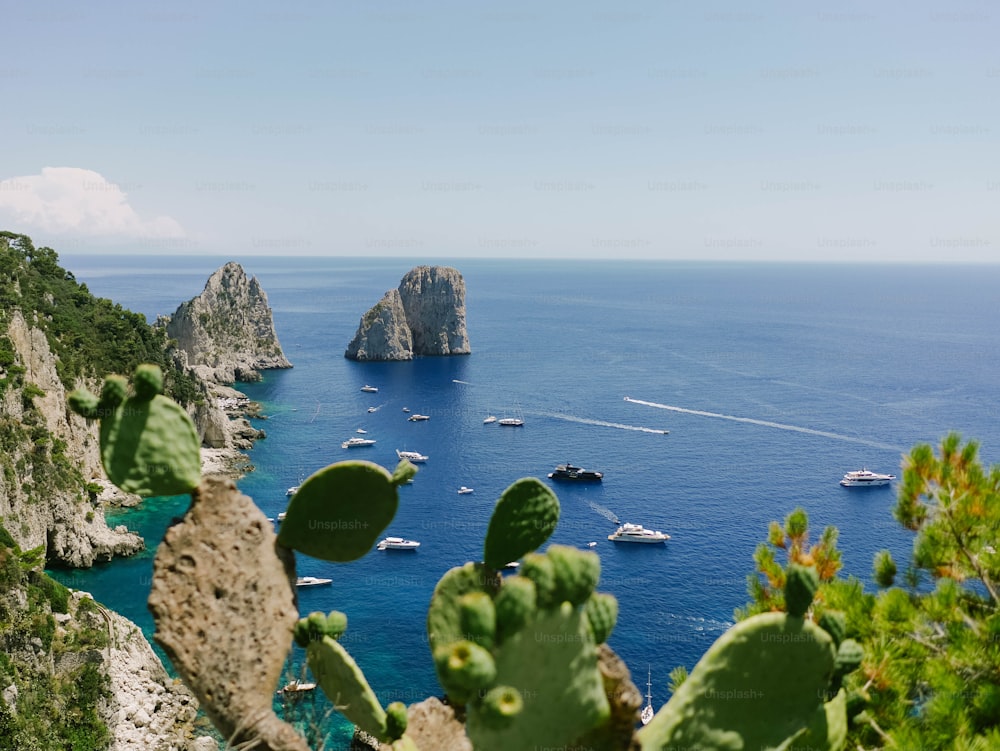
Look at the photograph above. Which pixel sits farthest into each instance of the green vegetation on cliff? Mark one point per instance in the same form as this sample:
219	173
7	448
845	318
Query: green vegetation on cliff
90	336
54	669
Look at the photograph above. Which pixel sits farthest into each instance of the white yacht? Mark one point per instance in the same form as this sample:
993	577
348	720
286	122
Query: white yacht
464	490
311	581
413	456
397	543
637	533
292	490
369	389
351	443
864	478
295	687
361	431
489	419
514	422
372	409
418	418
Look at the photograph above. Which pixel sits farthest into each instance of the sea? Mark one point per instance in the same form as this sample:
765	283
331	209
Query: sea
714	397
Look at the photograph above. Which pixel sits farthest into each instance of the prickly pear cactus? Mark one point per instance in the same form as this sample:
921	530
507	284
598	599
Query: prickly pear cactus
524	666
523	519
344	684
339	511
763	684
149	445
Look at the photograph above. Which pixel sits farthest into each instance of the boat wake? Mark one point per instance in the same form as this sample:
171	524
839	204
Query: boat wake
601	423
767	424
605	512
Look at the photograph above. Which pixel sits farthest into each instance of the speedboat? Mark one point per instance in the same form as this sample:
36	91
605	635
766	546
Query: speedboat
369	389
413	456
864	478
397	543
292	490
464	490
568	472
373	409
361	431
514	422
637	533
418	418
311	581
282	515
406	409
351	443
489	419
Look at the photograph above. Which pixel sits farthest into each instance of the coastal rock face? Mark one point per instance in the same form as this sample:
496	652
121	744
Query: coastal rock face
424	316
227	332
383	333
68	522
146	708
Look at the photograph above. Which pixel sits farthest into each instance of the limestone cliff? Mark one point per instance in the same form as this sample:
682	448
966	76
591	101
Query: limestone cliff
227	333
428	320
383	333
51	459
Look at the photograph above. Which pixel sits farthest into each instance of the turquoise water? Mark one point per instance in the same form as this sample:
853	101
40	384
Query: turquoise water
772	380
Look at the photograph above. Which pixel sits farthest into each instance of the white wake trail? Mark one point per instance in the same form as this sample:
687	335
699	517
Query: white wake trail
766	423
601	423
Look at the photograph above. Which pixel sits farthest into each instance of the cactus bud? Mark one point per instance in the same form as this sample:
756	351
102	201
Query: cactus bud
500	706
395	720
464	668
576	573
336	624
515	604
147	381
84	403
113	393
539	569
478	618
801	584
602	614
849	656
834	623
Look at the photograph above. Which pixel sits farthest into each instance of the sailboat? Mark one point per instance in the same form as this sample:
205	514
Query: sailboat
647	711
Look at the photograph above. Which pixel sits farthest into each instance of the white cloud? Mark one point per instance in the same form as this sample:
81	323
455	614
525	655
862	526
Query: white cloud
80	202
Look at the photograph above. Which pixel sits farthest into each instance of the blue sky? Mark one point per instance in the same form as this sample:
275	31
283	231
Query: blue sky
803	131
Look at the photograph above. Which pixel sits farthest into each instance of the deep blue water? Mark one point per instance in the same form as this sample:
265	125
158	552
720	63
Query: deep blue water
773	381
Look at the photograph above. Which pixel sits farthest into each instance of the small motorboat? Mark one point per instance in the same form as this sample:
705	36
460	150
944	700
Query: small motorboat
464	490
311	581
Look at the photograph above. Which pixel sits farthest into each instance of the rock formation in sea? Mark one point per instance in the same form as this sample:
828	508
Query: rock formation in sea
424	316
226	334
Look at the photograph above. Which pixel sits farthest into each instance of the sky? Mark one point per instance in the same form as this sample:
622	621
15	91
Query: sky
660	129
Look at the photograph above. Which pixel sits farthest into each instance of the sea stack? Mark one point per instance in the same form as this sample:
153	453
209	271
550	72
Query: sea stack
227	332
424	316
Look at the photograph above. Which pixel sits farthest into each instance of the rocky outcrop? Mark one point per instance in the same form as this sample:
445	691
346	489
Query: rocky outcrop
42	500
424	316
226	334
383	333
145	707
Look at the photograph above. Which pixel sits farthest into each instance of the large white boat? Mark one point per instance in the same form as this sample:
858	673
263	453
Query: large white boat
351	443
865	478
397	543
511	422
637	533
464	490
418	418
369	389
413	456
295	687
489	419
311	581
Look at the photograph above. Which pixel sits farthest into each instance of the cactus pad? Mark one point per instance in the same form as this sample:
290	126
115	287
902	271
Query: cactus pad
523	519
339	511
552	665
759	686
344	684
444	616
